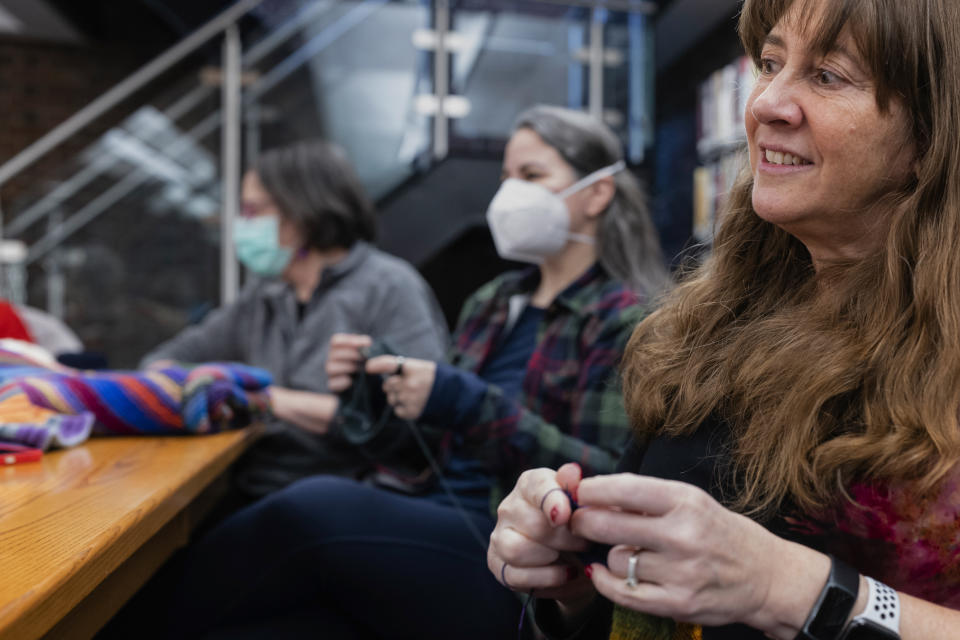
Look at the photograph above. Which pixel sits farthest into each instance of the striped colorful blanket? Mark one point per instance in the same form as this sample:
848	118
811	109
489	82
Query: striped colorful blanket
43	404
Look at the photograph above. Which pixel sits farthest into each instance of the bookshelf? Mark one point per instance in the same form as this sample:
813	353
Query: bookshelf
721	140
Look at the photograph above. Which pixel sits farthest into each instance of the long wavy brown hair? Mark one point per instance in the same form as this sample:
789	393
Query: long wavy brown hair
851	372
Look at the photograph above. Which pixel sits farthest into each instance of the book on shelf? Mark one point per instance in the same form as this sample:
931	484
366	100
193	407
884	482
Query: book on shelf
721	140
711	184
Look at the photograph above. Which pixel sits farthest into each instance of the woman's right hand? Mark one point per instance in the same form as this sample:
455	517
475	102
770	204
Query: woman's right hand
344	359
531	548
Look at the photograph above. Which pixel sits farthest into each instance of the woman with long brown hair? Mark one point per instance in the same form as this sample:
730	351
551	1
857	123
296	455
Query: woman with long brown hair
805	380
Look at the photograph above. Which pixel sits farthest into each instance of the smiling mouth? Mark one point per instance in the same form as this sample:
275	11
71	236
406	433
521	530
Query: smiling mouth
781	158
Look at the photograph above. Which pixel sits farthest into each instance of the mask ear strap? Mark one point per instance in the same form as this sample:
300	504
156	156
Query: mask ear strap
588	180
582	238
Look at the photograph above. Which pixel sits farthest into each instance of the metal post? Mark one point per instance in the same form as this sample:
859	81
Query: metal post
16	282
53	265
253	118
230	163
574	68
595	103
441	79
640	104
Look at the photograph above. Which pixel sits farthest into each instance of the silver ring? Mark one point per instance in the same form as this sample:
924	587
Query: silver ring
632	569
399	370
503	576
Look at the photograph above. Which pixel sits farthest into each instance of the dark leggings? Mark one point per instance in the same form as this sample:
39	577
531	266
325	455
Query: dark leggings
331	558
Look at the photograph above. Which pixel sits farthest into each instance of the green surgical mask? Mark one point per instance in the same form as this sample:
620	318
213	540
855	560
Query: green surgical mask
258	247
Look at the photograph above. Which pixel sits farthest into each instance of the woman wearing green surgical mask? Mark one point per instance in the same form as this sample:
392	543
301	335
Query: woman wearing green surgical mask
256	236
304	236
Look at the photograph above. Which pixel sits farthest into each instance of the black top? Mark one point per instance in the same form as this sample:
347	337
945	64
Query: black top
701	460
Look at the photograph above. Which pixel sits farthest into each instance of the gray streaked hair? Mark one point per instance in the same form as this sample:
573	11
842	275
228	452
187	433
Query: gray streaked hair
315	187
628	246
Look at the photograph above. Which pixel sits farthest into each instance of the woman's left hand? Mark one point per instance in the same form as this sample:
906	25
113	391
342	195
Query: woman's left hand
408	387
696	561
308	410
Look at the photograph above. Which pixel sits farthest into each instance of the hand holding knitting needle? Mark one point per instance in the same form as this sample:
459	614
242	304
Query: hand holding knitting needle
409	383
532	547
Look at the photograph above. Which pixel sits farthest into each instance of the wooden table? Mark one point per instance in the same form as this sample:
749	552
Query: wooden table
85	528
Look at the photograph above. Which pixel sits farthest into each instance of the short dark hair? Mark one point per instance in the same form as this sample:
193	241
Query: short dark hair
316	188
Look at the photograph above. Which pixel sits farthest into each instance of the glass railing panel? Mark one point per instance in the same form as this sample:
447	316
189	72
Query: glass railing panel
126	251
504	46
547	45
124	234
350	76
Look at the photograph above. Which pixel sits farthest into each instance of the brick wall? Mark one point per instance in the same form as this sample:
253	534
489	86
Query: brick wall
41	85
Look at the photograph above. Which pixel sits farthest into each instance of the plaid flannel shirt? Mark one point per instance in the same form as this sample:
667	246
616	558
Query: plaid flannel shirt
571	407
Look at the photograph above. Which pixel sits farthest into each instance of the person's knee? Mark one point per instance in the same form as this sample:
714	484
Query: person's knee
311	505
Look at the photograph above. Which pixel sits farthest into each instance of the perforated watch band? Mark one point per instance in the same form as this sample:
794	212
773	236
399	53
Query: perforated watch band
882	611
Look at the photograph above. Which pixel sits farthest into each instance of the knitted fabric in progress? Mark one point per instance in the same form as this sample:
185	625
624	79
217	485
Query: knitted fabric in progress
633	625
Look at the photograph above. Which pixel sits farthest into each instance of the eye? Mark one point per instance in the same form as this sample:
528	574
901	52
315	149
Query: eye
767	66
827	78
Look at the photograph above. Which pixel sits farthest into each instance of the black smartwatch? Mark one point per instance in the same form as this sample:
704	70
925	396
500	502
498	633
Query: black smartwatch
829	615
880	619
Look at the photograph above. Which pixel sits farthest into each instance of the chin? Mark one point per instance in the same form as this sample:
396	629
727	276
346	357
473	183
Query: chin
776	210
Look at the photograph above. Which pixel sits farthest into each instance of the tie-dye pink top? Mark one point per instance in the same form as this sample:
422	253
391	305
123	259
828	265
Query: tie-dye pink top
898	536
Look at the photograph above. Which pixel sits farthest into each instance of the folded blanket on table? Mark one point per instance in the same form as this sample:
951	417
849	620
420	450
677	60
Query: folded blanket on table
44	407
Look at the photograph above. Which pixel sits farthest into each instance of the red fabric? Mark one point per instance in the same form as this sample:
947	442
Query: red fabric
11	326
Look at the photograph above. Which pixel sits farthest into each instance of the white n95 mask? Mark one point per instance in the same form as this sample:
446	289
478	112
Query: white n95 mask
529	222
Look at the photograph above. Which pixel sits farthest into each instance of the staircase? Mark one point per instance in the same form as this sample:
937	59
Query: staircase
128	241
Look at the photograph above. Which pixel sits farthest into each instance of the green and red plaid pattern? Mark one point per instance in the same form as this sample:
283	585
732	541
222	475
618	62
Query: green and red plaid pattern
571	408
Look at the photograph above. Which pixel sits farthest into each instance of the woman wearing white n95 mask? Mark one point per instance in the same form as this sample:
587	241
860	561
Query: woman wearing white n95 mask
530	381
530	223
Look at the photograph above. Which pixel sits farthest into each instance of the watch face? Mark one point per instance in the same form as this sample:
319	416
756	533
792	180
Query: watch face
866	630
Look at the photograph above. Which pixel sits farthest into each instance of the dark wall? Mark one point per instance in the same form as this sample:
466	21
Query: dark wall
437	221
42	84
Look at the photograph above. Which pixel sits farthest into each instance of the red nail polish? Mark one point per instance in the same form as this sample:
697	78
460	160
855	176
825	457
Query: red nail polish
554	513
588	570
571	573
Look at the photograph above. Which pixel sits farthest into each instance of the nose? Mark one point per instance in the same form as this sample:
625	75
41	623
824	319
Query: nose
776	102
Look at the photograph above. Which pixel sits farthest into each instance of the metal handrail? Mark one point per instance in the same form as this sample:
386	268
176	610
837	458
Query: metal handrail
94	208
185	104
125	89
233	101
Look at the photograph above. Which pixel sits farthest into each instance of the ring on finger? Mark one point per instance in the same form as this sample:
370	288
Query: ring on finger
399	370
632	569
503	576
543	500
